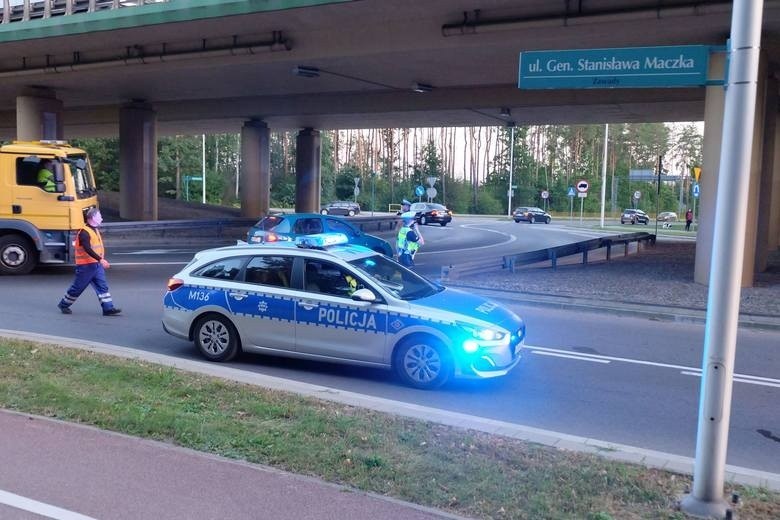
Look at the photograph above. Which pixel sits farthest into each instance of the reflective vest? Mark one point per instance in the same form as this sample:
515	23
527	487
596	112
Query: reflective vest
95	240
403	244
46	179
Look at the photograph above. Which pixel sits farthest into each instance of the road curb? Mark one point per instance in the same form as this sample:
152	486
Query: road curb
614	451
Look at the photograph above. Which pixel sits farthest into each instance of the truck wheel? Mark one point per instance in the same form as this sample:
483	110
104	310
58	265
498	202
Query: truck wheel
17	255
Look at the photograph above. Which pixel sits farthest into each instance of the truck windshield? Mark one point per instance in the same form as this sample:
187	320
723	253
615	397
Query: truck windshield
82	176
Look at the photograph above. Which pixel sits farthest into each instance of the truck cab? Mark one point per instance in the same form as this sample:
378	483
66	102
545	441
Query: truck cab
39	220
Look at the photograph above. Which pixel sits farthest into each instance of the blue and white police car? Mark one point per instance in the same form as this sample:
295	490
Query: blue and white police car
323	300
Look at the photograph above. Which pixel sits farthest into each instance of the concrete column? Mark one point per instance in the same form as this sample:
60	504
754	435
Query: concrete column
255	174
774	203
38	115
714	102
137	162
766	175
307	171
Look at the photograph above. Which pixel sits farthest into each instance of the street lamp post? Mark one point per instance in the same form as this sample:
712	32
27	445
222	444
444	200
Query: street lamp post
511	125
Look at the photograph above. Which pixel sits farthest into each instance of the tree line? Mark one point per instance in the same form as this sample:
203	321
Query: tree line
471	166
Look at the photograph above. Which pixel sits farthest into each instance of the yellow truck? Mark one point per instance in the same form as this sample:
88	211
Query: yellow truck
46	188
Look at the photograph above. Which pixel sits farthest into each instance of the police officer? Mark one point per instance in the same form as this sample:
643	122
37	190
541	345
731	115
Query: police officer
405	206
46	177
90	267
408	240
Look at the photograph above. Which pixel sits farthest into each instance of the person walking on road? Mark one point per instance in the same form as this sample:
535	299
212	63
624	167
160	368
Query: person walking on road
409	239
91	267
688	219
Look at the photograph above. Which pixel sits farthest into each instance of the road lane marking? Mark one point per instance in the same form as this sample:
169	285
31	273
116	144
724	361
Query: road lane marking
578	358
39	508
751	380
741	378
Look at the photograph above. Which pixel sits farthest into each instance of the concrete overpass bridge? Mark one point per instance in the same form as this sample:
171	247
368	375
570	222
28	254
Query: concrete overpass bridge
84	68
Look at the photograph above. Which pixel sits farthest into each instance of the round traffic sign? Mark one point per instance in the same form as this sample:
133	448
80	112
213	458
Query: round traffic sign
545	194
431	192
582	186
637	194
419	190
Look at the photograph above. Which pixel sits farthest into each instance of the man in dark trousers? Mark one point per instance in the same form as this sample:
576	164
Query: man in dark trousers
91	267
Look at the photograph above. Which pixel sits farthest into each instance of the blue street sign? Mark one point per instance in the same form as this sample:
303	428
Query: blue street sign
419	191
696	190
571	192
673	66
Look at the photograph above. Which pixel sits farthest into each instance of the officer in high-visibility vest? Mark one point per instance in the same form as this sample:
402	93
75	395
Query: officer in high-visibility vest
46	177
90	267
409	239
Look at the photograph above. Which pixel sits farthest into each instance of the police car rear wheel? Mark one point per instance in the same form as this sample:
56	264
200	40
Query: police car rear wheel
216	338
423	363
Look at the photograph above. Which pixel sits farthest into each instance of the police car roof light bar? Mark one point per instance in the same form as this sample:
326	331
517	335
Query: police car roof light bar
321	240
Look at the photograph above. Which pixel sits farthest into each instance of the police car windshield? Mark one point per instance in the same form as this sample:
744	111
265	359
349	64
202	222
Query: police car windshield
401	282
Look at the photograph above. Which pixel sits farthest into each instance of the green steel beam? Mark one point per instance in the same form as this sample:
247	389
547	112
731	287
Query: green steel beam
150	14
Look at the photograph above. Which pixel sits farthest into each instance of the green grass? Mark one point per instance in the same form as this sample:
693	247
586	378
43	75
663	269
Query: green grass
465	472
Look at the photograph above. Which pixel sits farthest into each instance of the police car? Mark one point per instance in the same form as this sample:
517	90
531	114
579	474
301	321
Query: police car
323	299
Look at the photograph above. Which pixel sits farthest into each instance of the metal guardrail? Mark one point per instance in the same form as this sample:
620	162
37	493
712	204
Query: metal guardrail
24	10
551	254
229	228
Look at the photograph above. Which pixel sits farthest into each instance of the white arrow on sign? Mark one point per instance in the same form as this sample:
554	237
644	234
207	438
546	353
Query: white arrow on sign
582	186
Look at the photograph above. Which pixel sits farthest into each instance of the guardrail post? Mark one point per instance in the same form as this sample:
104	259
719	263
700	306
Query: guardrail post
91	8
609	250
554	259
68	7
584	257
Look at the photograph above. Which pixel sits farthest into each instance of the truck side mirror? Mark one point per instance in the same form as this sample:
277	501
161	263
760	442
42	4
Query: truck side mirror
59	172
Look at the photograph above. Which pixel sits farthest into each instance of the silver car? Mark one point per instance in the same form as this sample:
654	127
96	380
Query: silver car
343	304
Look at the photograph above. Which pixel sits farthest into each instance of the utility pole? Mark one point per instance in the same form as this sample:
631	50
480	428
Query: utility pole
511	126
720	335
604	174
203	171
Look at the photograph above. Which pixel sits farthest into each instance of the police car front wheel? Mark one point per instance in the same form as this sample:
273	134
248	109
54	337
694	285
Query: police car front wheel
216	338
423	363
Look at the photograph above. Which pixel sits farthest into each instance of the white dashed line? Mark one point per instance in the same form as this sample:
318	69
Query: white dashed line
39	508
685	370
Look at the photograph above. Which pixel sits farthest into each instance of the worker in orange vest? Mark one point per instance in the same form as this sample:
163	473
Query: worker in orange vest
91	267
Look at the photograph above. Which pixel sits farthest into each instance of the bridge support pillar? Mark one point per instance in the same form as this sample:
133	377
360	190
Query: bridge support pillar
255	181
713	129
38	115
774	202
766	175
138	162
307	171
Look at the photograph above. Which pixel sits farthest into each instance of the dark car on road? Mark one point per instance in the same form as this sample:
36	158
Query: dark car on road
340	207
531	214
431	213
286	227
634	216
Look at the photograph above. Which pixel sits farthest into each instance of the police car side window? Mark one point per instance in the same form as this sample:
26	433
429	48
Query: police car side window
331	279
224	269
269	270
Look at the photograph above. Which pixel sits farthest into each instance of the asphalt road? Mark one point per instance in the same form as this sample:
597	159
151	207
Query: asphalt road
625	380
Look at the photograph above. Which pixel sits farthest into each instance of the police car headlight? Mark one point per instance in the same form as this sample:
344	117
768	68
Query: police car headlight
483	334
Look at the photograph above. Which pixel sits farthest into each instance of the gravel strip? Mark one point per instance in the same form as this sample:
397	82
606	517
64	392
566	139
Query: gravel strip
660	275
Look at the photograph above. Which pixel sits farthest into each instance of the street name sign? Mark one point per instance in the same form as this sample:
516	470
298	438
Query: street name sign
671	66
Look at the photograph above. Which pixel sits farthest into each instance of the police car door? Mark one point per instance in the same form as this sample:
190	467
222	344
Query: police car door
332	325
264	306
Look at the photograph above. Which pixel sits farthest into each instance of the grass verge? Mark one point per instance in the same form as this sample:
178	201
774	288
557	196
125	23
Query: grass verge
465	472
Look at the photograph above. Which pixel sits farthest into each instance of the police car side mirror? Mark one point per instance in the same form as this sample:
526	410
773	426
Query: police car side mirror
364	295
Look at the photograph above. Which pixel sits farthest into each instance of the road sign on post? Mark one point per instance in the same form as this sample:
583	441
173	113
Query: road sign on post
696	190
582	186
419	191
696	173
637	194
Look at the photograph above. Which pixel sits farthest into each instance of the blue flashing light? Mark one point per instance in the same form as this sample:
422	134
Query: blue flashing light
321	240
470	346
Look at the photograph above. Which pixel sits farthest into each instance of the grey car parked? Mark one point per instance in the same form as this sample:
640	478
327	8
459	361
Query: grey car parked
634	216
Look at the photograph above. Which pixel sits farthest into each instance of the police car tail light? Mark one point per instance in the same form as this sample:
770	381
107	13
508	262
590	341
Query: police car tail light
174	283
270	237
